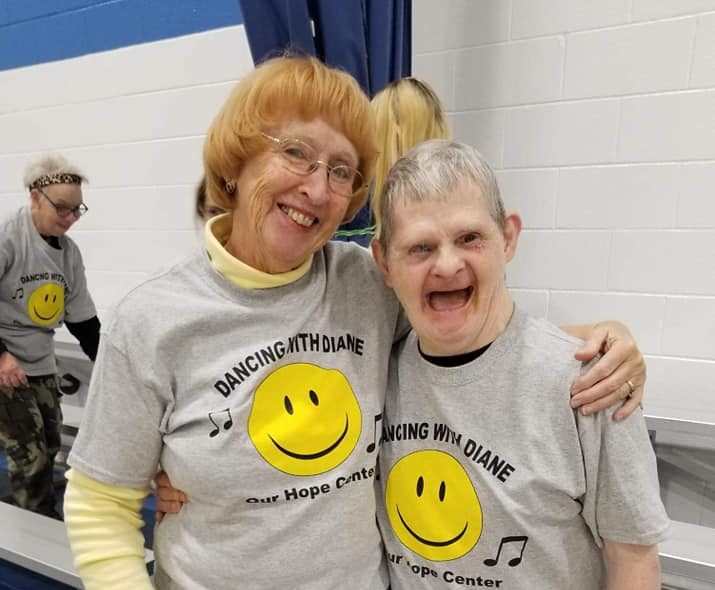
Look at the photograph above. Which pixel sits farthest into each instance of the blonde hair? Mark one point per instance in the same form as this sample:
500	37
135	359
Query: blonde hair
280	89
407	112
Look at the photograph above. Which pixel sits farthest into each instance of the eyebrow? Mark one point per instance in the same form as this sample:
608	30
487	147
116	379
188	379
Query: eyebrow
339	155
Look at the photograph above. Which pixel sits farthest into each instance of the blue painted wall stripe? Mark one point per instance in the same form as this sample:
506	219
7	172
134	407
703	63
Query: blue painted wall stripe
38	31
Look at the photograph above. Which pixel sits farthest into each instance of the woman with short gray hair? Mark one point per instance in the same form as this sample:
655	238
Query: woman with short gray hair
42	284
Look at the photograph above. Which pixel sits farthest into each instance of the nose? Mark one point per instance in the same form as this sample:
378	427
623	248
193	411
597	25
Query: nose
315	185
448	262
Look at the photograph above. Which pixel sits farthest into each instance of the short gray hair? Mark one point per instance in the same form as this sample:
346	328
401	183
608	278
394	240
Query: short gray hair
432	171
49	164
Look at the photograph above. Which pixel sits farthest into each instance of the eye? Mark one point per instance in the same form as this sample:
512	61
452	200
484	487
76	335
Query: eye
420	486
442	491
470	238
313	397
420	249
297	151
343	174
288	405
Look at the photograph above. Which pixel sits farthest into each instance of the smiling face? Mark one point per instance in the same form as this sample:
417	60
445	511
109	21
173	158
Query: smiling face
282	218
432	505
446	261
304	419
44	215
46	304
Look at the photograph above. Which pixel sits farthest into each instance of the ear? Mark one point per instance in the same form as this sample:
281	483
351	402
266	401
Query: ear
378	253
512	229
34	200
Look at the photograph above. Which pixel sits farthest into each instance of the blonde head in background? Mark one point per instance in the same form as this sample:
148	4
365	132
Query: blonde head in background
407	112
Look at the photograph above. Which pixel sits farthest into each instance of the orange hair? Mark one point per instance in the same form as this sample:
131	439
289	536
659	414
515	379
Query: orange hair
279	90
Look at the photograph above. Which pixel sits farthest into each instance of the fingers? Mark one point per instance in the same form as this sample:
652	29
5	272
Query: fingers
158	517
13	378
630	405
168	506
593	345
605	399
161	479
169	494
612	386
620	355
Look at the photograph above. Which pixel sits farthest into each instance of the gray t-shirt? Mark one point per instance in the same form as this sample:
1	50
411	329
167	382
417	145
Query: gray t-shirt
262	406
490	479
40	287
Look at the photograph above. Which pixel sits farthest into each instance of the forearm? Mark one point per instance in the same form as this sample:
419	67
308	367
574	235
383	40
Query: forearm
103	526
87	333
632	567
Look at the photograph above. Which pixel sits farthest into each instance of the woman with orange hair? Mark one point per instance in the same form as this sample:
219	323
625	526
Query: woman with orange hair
255	372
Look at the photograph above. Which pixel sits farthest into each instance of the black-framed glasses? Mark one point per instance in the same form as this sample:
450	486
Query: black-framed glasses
302	158
64	211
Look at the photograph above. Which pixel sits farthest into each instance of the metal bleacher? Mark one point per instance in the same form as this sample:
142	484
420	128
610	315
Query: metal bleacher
688	556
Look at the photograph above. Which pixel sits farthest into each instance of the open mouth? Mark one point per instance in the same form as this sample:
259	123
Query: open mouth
300	218
449	300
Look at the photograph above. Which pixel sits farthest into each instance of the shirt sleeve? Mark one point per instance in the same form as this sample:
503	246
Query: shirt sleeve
622	501
79	305
87	332
103	527
120	438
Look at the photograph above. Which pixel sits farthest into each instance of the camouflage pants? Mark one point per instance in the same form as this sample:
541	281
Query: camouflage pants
30	424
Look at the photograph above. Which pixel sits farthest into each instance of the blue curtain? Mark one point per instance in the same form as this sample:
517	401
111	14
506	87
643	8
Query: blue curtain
371	39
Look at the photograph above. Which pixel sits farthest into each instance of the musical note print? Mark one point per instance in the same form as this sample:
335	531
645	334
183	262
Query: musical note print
514	561
373	444
226	425
19	294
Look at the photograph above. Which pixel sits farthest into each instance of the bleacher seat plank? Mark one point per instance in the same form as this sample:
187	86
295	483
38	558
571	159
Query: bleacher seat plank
39	543
689	552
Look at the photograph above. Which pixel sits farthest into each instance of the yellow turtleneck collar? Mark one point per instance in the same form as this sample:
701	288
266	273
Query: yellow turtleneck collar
216	235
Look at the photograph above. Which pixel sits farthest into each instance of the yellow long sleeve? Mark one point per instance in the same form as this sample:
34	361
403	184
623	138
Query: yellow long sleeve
104	529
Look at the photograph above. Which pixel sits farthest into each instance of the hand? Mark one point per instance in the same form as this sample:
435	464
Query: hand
11	373
606	383
169	500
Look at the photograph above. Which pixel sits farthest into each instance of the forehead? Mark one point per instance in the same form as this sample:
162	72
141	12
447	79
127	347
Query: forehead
465	206
319	134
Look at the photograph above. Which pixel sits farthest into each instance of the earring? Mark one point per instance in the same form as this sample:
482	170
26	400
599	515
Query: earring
230	186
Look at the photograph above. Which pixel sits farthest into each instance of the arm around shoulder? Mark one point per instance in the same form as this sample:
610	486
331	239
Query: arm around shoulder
631	567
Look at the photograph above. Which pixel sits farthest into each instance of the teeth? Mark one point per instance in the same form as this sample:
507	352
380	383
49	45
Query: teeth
299	218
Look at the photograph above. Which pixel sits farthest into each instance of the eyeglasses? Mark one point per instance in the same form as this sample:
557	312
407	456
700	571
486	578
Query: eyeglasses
63	211
301	158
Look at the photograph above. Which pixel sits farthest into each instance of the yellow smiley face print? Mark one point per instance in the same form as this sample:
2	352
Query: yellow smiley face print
432	505
46	304
304	419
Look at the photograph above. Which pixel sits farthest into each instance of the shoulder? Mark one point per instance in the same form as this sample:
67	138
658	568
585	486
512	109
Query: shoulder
10	224
541	346
351	267
154	298
542	334
340	255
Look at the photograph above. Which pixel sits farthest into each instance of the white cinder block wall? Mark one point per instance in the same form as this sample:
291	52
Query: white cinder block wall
134	120
600	120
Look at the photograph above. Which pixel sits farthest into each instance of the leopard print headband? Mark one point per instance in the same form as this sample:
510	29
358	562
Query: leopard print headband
59	178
